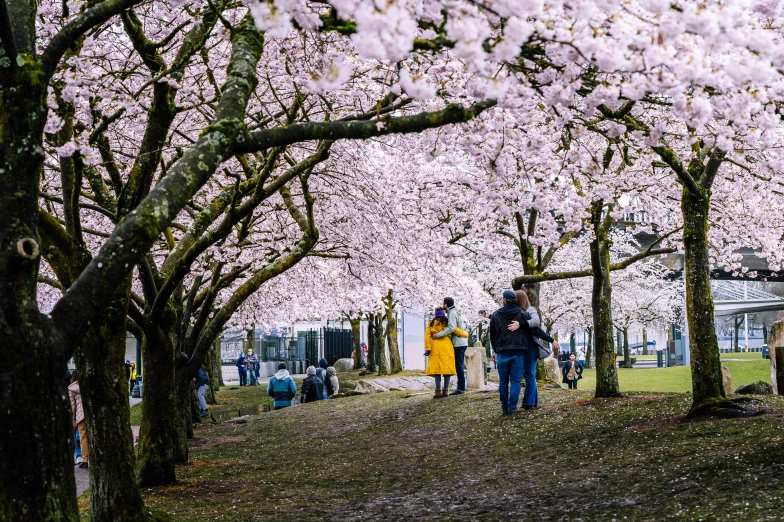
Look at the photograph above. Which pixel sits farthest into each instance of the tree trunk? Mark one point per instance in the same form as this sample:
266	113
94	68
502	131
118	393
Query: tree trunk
532	289
355	328
606	373
644	341
589	350
371	343
114	494
765	333
381	353
213	364
707	385
183	415
736	334
572	343
627	358
158	433
395	364
36	432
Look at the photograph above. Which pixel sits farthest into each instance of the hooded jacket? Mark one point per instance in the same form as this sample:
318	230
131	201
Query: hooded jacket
312	389
323	374
333	379
505	341
202	377
281	388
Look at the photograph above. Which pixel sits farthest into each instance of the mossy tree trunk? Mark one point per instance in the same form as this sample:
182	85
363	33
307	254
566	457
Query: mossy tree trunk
114	493
355	339
606	373
158	433
395	364
707	383
383	364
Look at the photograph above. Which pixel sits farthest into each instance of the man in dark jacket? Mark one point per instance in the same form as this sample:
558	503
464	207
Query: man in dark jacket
312	387
509	347
202	379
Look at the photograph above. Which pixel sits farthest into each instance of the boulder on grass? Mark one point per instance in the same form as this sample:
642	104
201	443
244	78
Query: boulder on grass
726	377
755	388
344	365
552	371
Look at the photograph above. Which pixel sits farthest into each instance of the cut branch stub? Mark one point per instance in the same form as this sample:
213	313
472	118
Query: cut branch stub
27	247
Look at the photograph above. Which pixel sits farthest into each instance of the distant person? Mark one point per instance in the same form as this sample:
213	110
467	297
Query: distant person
202	381
241	371
132	378
333	379
440	352
77	413
323	374
572	372
250	366
312	387
281	388
364	354
460	344
128	372
581	357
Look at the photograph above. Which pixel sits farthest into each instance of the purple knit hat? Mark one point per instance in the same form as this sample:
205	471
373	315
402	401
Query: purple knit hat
440	312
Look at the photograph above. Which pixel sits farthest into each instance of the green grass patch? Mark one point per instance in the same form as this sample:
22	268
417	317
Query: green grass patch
391	457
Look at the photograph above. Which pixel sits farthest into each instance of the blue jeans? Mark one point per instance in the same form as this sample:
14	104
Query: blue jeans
510	371
531	393
460	366
243	377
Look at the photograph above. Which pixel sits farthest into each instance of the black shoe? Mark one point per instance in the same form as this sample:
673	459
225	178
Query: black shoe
457	392
204	413
526	407
505	412
83	465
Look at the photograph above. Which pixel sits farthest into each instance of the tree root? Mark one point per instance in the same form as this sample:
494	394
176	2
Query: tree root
722	409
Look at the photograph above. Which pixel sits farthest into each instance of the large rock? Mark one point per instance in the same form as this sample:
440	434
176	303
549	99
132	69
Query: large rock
475	368
552	371
755	388
726	377
343	365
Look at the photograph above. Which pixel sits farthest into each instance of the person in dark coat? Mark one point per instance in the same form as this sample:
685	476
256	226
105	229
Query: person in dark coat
323	374
202	381
312	387
243	373
572	372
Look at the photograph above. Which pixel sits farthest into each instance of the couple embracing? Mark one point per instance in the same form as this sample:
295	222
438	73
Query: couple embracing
512	331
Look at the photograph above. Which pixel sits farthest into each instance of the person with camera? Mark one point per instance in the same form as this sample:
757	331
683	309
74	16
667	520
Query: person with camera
572	372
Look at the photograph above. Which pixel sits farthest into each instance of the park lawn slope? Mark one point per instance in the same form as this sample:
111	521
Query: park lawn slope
396	457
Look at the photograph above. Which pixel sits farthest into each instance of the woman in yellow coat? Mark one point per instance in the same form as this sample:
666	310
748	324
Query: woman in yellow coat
441	354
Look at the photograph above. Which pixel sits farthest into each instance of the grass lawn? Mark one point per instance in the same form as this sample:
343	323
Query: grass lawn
395	457
745	368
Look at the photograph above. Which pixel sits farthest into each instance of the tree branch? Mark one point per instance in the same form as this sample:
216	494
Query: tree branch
359	130
76	28
557	276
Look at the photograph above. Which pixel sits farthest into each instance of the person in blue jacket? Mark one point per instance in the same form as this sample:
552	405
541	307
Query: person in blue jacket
281	388
202	381
241	369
